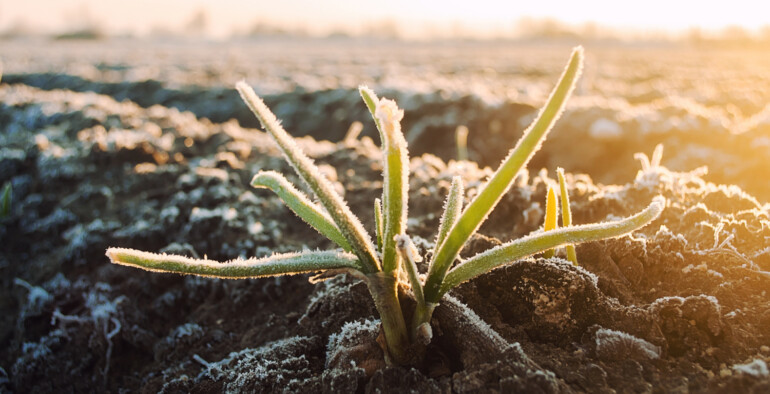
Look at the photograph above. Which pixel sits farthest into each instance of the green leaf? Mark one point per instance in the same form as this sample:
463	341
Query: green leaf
395	195
538	242
275	265
409	255
396	181
301	205
478	209
5	200
378	222
452	208
371	100
566	213
348	223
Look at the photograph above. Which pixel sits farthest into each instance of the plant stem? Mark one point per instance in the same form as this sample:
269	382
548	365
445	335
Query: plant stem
422	314
384	291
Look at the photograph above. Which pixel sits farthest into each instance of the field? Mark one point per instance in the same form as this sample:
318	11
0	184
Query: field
147	145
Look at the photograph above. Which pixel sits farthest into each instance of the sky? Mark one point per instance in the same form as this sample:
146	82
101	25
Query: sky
414	17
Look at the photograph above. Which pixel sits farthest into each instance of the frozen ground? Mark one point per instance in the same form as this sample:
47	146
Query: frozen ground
96	140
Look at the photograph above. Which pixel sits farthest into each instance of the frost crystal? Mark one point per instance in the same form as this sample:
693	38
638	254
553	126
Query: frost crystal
351	335
274	367
37	298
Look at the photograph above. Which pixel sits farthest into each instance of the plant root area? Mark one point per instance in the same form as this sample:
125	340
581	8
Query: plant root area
681	305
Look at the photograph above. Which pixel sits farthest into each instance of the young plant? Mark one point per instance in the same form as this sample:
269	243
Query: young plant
461	139
406	331
566	214
5	200
550	221
551	212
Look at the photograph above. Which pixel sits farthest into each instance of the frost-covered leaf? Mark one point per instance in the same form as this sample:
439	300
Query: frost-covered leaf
452	209
301	205
409	256
275	265
566	213
338	210
478	210
395	196
536	243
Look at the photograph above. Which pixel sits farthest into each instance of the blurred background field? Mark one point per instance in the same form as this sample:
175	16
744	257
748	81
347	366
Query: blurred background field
707	102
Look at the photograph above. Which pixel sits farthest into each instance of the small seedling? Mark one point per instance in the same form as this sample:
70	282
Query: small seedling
5	200
551	208
353	132
461	139
566	213
406	331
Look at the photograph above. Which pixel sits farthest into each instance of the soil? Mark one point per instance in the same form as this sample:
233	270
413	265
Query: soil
99	160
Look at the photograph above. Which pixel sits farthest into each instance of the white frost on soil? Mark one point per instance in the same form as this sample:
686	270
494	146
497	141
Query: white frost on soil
37	299
351	335
756	368
617	345
248	366
201	214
